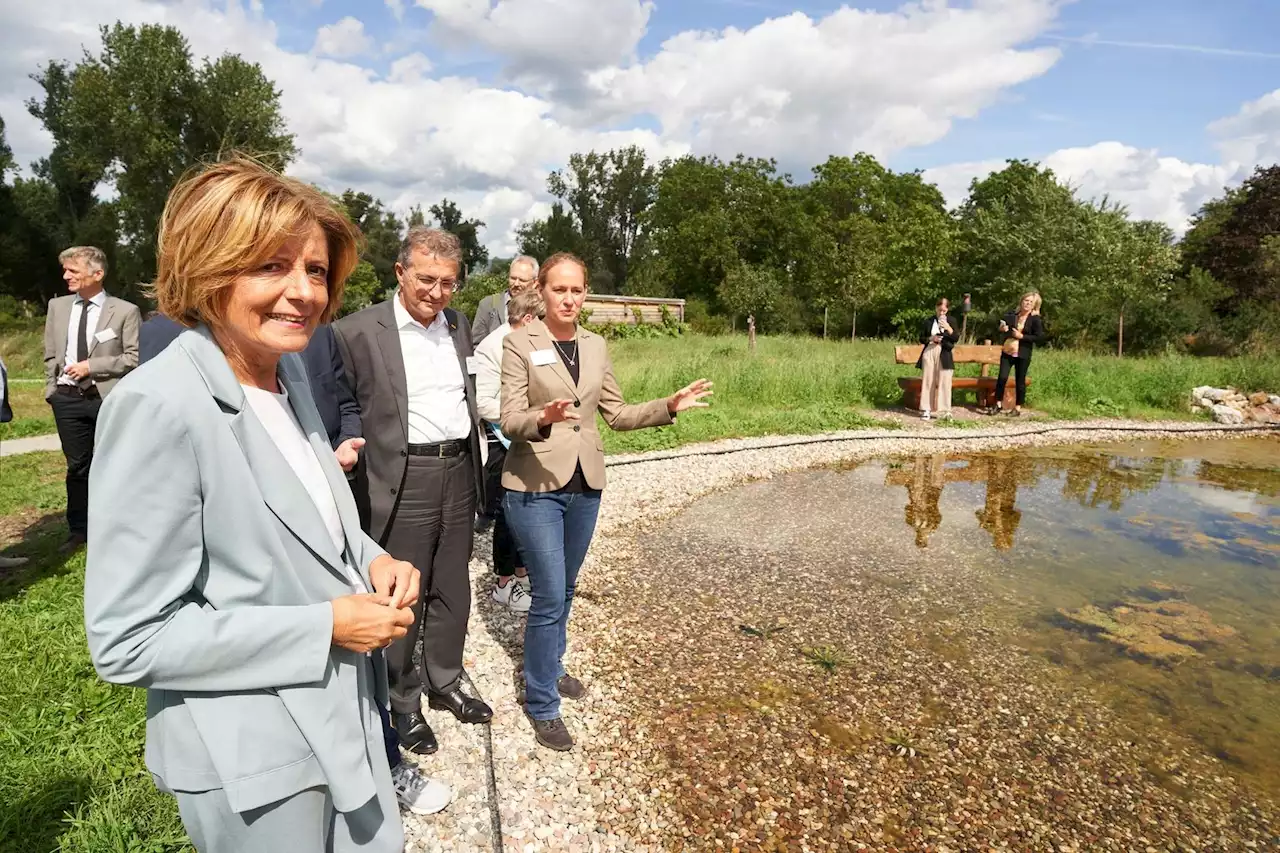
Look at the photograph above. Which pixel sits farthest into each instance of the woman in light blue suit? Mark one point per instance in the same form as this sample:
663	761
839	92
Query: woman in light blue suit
227	572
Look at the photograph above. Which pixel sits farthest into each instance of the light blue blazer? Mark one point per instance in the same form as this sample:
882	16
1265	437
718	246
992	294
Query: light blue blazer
208	582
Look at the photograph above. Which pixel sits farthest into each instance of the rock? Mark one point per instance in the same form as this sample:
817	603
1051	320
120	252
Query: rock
1227	415
1258	399
1217	395
1200	392
1274	399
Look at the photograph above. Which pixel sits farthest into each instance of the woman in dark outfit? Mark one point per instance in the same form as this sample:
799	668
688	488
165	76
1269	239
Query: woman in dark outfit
1021	330
555	377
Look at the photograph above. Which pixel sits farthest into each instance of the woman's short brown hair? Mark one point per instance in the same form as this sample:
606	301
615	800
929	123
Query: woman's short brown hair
224	220
562	258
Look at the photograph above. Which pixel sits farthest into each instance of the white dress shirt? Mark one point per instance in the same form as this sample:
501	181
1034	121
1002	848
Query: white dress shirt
488	362
277	416
433	380
936	330
73	327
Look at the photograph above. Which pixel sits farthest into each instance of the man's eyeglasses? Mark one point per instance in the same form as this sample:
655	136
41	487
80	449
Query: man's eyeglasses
431	283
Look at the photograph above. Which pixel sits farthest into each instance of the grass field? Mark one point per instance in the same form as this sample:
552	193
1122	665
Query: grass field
71	774
805	385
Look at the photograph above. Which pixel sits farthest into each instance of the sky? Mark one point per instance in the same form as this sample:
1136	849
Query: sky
1157	104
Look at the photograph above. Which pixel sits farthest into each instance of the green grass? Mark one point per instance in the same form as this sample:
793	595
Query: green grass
71	773
23	351
31	412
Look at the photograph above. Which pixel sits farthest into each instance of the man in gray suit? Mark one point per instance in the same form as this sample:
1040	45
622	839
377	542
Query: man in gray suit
492	310
408	361
90	341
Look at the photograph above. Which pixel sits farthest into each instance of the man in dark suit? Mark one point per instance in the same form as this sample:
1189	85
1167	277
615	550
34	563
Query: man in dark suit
492	310
409	361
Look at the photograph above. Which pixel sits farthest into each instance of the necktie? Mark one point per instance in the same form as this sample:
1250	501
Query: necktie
82	333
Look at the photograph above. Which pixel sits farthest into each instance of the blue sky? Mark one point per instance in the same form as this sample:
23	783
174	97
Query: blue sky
1160	104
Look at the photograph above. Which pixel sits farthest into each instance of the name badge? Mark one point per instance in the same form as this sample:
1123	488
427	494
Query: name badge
105	335
471	364
542	357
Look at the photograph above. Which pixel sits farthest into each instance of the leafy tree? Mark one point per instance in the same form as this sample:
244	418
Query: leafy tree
474	255
1132	265
140	114
382	232
749	289
1228	238
542	238
363	289
609	195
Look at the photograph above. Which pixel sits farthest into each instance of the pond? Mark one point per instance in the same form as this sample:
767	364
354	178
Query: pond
1056	648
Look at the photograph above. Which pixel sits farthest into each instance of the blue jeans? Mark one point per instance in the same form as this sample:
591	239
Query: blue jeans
553	531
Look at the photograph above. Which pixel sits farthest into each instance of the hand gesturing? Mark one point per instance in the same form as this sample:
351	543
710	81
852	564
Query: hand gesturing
690	397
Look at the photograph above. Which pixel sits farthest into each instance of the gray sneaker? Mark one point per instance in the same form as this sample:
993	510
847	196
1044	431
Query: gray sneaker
552	734
570	687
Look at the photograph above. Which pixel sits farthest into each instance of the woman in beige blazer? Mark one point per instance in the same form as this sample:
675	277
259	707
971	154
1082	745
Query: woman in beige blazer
555	377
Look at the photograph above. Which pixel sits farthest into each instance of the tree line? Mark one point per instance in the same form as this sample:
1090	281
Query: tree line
855	249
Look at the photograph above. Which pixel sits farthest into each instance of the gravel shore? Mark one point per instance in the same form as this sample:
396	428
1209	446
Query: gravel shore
635	780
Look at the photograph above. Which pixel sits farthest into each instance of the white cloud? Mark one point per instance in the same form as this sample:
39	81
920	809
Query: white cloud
397	9
545	44
1151	186
1251	136
800	89
344	39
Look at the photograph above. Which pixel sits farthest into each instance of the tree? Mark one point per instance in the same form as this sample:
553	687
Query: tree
749	289
139	115
1132	264
474	255
363	289
382	232
1227	239
609	195
542	238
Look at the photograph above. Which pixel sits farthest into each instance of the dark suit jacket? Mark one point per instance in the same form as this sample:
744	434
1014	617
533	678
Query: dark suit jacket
6	413
1032	334
370	344
948	342
325	374
489	316
156	333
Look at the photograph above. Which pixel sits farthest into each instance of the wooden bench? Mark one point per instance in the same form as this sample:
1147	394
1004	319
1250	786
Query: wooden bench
983	386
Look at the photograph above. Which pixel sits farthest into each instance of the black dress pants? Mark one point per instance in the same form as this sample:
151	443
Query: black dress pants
431	527
1019	366
76	418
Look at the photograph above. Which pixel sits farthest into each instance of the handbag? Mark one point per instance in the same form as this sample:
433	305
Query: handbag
1010	346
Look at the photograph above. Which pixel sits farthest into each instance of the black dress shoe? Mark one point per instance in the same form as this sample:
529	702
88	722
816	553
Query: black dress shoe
483	523
466	708
415	734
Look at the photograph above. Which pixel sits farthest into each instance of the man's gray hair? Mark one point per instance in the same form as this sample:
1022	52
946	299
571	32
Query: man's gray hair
94	257
525	259
526	302
434	241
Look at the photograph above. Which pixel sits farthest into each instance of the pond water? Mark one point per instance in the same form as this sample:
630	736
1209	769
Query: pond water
1057	648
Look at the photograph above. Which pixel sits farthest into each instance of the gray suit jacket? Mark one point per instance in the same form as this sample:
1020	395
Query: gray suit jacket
109	360
209	581
370	345
489	315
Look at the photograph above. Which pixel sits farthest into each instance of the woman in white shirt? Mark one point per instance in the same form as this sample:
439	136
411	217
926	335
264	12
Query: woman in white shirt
938	336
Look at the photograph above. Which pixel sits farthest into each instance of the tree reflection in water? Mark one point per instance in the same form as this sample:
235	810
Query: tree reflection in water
1091	478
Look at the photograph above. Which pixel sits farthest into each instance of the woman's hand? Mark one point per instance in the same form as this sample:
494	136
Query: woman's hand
936	339
1017	334
395	579
557	411
689	397
363	623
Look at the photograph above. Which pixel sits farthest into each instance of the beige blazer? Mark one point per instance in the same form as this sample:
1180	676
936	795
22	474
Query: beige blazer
108	360
544	460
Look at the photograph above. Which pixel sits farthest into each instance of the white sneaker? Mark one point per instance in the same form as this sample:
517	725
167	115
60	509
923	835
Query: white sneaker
924	415
513	596
525	582
418	792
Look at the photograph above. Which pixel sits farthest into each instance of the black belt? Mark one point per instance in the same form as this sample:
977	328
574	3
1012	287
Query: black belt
90	393
441	450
